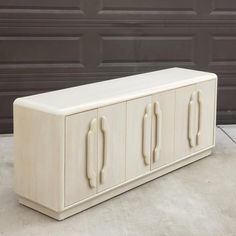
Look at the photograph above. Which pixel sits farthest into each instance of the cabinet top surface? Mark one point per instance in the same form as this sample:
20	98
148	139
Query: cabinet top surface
91	96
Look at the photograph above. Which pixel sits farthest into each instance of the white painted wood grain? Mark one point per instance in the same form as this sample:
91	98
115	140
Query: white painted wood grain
208	99
182	145
135	163
77	186
39	157
208	113
114	172
116	190
166	102
90	96
51	134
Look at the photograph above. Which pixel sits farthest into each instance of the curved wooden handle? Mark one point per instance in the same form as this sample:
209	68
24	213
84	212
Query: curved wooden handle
191	120
146	133
105	131
199	116
158	114
91	174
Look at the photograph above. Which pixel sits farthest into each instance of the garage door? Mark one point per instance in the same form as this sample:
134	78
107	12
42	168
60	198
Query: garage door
52	44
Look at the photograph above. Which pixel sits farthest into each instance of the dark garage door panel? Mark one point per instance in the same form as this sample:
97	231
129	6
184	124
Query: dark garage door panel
122	10
53	44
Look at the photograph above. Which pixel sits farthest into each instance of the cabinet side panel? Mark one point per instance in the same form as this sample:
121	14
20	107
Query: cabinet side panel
39	157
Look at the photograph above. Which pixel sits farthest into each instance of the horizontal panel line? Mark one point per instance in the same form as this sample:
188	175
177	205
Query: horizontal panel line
221	111
104	8
224	37
48	79
38	38
24	92
40	11
153	37
62	74
101	23
133	63
98	20
223	12
38	62
41	65
151	11
227	87
222	63
56	7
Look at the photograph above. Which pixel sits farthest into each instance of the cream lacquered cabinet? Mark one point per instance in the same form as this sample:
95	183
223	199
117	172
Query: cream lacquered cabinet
77	147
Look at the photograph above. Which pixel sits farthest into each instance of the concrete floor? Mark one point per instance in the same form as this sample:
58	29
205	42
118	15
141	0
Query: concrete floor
199	199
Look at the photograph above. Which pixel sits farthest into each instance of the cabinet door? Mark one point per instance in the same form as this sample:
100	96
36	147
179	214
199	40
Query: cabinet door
138	134
111	145
184	119
80	156
206	114
195	118
163	128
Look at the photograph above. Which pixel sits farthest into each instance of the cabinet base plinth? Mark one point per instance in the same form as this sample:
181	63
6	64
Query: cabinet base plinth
103	196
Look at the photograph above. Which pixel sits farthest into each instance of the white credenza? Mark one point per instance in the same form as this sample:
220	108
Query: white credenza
77	147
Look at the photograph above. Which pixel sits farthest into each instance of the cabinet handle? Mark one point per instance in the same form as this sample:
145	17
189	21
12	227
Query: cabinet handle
105	131
158	114
190	120
91	174
199	116
146	133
